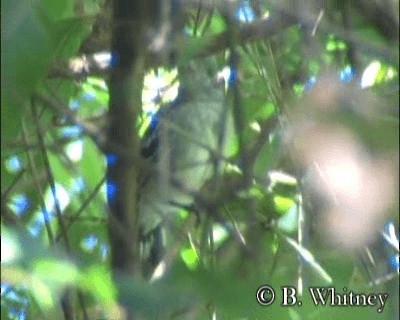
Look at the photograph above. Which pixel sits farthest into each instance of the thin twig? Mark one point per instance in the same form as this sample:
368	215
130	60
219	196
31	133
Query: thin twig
49	173
260	29
36	180
77	215
66	301
4	194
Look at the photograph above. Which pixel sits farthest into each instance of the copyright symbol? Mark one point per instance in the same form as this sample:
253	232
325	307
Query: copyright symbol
265	295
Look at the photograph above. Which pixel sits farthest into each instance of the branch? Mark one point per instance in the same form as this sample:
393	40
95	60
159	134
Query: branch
80	67
131	21
382	16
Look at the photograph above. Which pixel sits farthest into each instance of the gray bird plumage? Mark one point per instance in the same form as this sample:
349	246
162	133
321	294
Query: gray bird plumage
183	135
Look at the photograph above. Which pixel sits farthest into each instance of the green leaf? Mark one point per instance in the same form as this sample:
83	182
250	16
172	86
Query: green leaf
58	9
218	24
56	271
97	280
190	257
283	204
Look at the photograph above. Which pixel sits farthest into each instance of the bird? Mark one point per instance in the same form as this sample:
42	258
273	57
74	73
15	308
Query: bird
180	144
